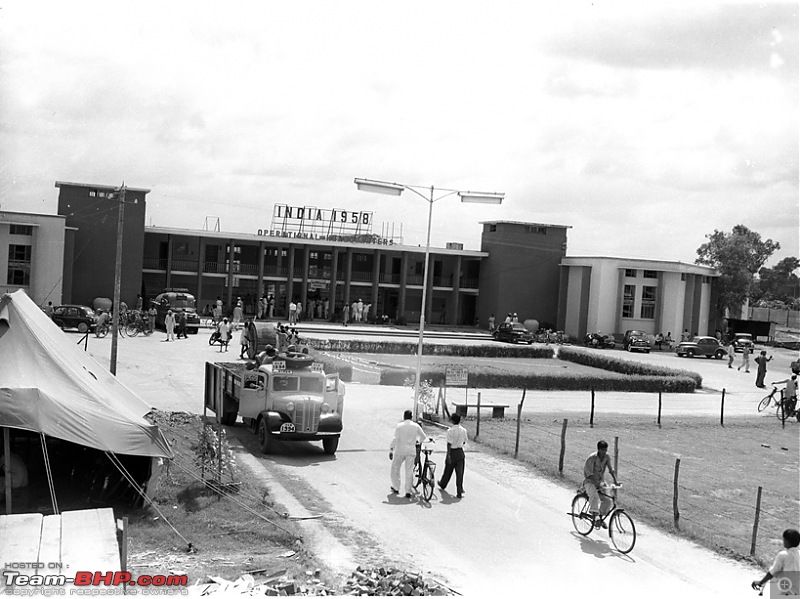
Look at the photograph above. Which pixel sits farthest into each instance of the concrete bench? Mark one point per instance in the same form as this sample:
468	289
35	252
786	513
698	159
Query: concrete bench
498	411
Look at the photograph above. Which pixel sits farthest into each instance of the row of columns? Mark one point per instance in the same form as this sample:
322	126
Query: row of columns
335	252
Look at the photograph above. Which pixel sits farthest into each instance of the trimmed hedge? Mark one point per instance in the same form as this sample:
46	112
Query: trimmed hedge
625	367
404	347
550	382
332	365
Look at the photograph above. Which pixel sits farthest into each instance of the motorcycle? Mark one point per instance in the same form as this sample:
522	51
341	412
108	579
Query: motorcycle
599	341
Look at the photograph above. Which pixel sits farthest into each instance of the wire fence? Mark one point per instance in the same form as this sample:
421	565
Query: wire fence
733	488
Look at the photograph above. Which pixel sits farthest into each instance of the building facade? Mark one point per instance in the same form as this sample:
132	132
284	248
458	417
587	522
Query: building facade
521	271
93	212
35	255
389	278
613	295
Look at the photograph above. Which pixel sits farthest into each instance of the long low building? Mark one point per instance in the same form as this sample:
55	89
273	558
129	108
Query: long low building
520	268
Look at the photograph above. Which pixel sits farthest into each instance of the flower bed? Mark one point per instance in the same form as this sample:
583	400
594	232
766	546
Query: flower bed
405	347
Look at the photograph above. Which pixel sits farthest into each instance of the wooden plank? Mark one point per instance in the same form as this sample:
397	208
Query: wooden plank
50	546
89	541
20	535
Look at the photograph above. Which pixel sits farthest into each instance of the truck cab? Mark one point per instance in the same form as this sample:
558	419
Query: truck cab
279	402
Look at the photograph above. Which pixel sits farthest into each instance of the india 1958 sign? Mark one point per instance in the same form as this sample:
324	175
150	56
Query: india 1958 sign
309	222
310	214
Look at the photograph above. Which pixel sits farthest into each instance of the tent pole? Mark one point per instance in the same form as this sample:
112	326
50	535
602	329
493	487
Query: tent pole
7	457
117	281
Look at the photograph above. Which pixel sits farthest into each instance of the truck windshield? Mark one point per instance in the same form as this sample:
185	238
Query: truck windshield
182	302
306	384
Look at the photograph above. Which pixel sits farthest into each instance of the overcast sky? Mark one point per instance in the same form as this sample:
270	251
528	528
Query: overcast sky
643	126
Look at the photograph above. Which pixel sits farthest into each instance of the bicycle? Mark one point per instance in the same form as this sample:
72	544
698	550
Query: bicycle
136	326
621	528
764	403
425	471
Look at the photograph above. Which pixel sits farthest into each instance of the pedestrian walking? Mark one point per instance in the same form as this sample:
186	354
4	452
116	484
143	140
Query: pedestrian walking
244	339
292	313
48	309
238	313
182	325
731	353
454	461
491	323
745	359
271	306
224	334
787	562
151	317
169	324
403	450
761	360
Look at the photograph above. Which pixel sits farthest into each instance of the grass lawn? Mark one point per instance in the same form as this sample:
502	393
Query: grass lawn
720	471
227	539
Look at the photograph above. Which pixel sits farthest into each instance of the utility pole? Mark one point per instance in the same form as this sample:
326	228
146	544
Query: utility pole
117	281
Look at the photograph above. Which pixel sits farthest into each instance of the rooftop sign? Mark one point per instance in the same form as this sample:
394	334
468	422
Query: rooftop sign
310	222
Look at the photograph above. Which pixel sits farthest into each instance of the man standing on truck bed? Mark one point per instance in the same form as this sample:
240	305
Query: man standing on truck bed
403	450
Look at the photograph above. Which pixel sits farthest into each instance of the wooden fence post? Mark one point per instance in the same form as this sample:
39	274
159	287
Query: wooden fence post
675	513
616	455
659	409
591	415
478	424
722	409
519	422
755	523
563	447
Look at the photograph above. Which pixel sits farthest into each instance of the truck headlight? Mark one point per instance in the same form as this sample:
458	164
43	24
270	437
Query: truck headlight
290	406
325	408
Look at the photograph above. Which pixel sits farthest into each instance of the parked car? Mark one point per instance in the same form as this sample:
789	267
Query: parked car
513	332
742	340
72	316
636	340
177	300
701	346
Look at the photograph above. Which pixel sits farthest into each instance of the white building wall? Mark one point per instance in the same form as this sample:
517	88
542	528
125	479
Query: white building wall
705	305
673	291
47	254
603	297
573	307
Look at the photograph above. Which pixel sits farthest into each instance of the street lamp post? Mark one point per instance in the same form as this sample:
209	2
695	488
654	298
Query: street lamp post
396	189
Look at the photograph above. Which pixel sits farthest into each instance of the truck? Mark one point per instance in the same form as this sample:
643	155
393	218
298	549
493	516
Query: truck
283	400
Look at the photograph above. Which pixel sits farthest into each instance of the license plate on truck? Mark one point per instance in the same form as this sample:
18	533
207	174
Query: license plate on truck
287	427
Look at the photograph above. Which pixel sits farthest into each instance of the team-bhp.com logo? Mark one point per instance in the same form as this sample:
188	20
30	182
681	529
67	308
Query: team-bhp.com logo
91	583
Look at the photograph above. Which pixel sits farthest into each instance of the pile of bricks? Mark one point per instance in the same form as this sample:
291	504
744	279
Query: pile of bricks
371	582
392	582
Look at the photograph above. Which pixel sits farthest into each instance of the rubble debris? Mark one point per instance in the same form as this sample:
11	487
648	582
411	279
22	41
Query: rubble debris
382	581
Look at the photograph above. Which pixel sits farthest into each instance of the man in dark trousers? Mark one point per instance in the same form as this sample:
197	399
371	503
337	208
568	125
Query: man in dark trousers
182	325
762	360
456	441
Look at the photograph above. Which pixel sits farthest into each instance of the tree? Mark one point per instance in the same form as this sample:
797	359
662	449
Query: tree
738	256
779	283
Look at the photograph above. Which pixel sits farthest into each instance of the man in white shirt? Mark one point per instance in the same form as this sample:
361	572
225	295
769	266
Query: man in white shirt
786	565
456	441
403	450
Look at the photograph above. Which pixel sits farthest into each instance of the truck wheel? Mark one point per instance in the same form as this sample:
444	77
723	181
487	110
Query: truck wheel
229	418
330	444
264	437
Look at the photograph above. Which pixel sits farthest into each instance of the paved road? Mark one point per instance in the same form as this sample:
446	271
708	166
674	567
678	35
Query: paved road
510	533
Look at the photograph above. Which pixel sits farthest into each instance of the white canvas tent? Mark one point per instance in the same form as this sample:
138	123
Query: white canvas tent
49	385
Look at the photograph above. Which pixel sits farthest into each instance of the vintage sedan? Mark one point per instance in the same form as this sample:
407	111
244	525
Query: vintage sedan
74	317
636	340
701	346
742	340
513	332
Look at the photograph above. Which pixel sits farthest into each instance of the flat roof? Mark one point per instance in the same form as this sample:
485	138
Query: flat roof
95	186
648	263
517	222
310	241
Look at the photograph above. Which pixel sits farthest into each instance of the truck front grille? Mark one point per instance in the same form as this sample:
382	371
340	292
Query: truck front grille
307	415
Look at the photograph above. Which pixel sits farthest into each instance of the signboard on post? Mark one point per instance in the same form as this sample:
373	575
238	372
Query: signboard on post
456	376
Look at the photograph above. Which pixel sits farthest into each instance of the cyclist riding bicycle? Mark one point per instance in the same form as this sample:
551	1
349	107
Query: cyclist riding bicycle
593	472
790	394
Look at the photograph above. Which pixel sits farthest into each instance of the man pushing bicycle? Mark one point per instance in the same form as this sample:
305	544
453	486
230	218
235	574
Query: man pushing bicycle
594	483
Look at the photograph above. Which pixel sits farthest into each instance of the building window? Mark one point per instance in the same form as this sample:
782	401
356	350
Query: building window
627	301
683	276
361	257
537	230
21	230
327	256
648	302
313	255
19	265
92	194
650	274
630	272
492	228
